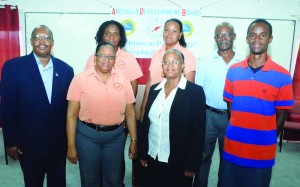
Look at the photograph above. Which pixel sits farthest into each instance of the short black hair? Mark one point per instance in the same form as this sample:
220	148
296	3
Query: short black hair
100	32
181	40
263	21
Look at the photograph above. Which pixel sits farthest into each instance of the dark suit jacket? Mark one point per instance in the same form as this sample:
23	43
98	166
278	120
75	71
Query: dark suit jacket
29	120
187	126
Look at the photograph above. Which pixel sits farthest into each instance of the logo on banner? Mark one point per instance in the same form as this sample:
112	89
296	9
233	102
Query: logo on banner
129	26
187	28
154	28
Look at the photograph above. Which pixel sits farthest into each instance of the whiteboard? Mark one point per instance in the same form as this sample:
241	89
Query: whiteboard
74	36
280	49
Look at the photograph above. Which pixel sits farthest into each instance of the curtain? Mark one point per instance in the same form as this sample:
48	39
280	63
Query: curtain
9	34
296	78
292	132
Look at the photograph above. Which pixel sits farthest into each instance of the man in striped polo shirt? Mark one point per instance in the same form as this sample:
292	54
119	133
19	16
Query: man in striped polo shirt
259	93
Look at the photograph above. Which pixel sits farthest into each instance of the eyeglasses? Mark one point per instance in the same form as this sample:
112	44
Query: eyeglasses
104	57
225	35
38	37
174	62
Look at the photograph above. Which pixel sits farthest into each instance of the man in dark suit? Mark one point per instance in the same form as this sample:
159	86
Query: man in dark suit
34	89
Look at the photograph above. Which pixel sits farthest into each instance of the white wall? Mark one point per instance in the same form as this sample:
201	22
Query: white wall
296	45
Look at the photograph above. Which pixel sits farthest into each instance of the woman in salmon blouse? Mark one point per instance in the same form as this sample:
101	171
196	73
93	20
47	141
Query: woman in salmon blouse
126	64
99	100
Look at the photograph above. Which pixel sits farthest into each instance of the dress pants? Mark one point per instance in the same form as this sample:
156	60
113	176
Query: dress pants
100	153
166	175
35	170
216	125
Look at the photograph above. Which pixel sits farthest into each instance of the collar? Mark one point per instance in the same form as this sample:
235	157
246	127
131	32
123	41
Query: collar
216	54
267	65
119	51
181	84
177	46
92	71
38	62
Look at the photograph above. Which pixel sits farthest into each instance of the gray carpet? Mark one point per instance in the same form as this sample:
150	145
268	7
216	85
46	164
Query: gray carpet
286	172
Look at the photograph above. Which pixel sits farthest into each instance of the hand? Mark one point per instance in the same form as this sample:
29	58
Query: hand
142	111
144	163
72	154
189	173
13	152
133	150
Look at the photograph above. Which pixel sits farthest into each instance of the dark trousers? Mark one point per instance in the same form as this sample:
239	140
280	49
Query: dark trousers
35	170
238	176
165	174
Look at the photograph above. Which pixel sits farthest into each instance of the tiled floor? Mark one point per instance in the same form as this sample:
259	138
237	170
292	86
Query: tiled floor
286	172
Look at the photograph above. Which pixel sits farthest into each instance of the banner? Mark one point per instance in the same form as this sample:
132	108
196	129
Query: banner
144	28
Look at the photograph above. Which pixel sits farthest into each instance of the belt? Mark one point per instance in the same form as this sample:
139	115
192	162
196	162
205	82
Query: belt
219	111
103	128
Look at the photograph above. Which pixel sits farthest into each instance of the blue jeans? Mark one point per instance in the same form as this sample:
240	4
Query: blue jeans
100	151
216	125
238	176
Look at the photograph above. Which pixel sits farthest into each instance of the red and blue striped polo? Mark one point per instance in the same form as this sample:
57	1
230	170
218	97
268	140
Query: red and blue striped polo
251	135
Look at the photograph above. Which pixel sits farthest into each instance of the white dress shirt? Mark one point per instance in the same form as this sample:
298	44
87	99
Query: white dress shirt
47	76
159	135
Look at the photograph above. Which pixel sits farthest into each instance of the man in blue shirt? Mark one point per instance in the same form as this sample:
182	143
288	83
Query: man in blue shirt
210	74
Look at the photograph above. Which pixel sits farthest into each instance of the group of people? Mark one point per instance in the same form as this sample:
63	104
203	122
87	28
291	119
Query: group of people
49	114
